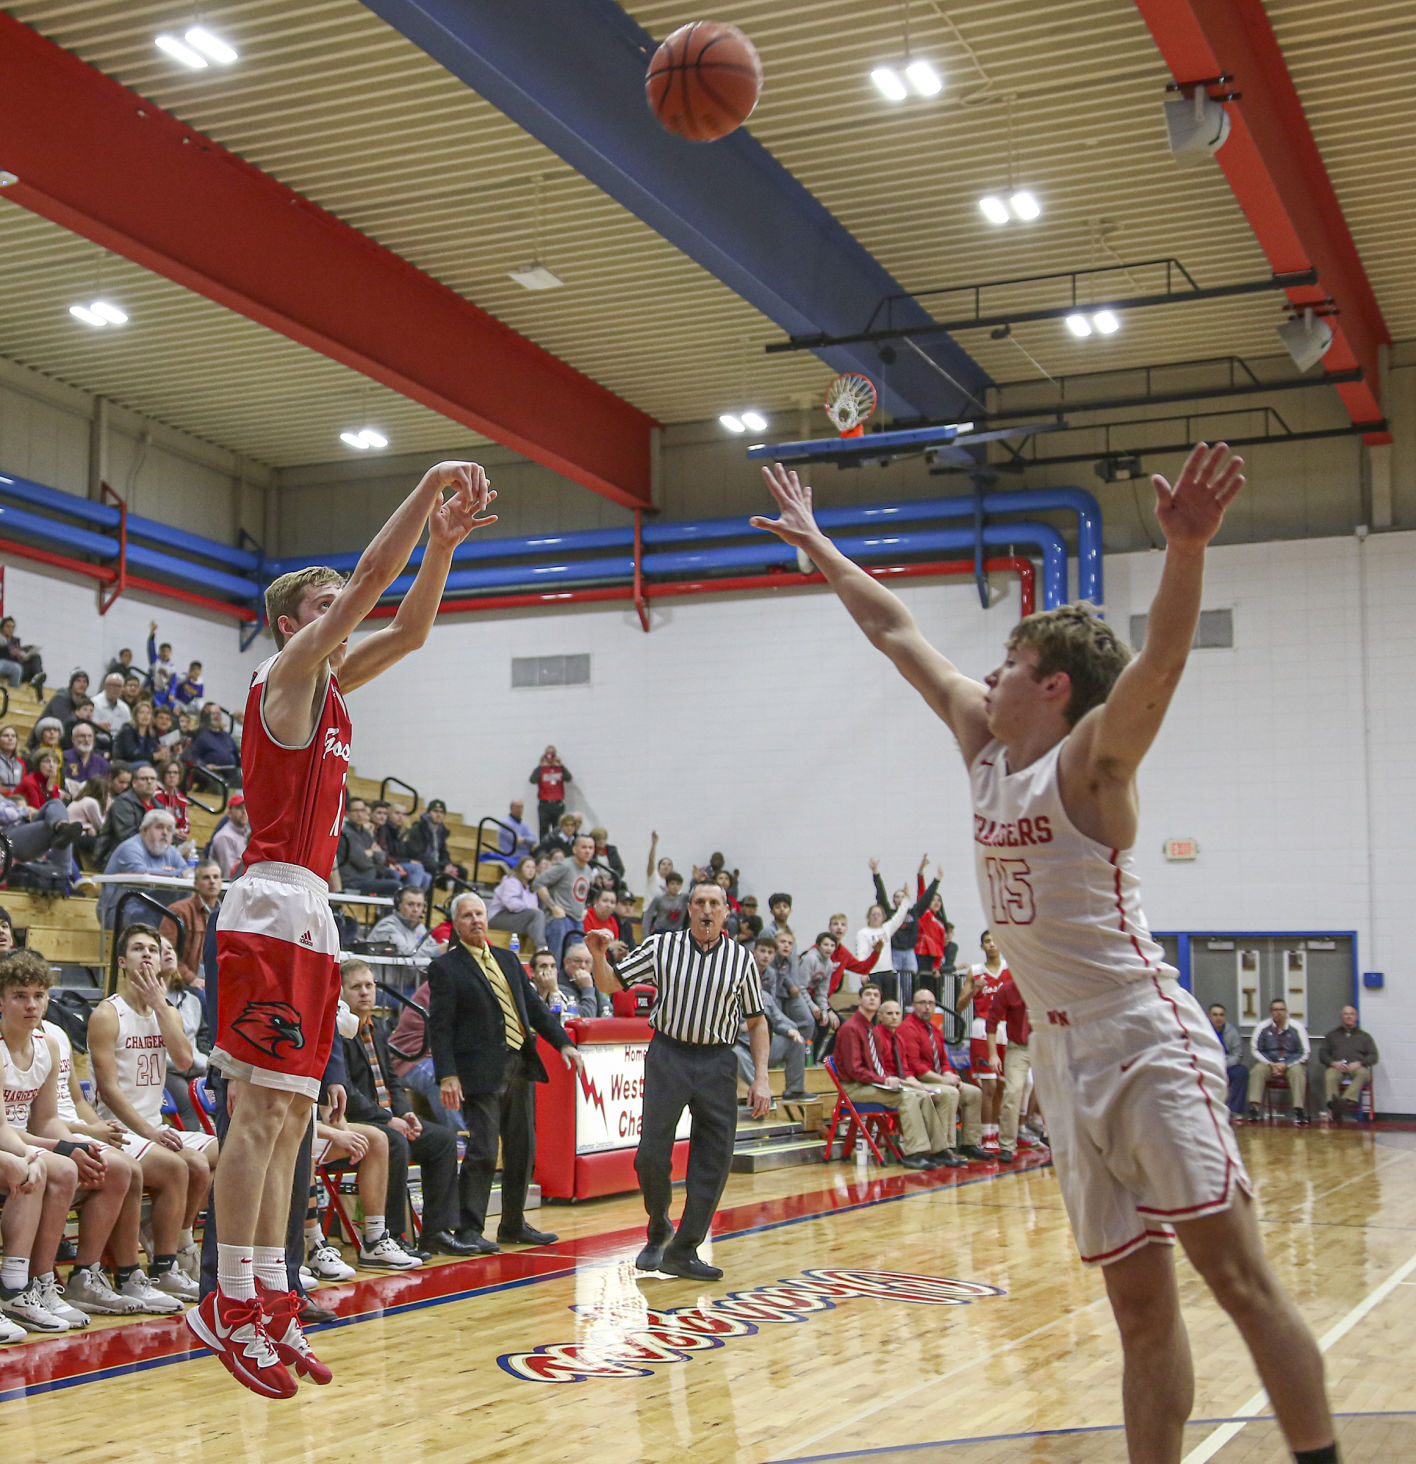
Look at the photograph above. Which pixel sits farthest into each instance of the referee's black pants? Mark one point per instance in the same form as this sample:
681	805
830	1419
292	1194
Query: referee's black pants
704	1080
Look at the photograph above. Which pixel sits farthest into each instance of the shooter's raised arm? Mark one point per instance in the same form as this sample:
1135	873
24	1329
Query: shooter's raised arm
889	626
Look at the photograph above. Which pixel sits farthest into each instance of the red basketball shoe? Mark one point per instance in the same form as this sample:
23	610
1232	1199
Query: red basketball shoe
233	1329
282	1323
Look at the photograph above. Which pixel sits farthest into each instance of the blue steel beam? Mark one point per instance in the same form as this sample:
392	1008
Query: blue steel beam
571	73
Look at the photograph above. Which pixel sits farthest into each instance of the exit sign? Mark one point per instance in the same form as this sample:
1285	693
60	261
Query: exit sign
1182	849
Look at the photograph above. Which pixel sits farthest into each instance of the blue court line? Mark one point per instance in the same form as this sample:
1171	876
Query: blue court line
196	1353
1054	1433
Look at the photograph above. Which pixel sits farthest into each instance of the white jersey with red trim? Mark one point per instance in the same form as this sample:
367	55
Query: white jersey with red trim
1064	909
63	1097
140	1057
986	987
23	1084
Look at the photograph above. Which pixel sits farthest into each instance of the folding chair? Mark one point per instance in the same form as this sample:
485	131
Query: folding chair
876	1123
1367	1101
204	1101
169	1110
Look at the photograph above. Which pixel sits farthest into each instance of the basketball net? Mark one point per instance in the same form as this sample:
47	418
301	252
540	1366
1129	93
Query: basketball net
850	403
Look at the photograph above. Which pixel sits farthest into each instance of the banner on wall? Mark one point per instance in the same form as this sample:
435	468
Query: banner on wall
609	1098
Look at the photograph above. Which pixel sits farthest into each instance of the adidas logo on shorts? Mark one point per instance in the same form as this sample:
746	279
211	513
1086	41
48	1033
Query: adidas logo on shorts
307	940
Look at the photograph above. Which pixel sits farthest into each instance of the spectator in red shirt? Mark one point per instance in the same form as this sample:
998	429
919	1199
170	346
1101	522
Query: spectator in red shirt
927	1059
939	1102
550	776
601	914
45	782
171	797
929	946
863	1076
1009	1008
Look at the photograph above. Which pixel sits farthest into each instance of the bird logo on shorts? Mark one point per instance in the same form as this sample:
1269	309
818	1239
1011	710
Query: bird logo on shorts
270	1026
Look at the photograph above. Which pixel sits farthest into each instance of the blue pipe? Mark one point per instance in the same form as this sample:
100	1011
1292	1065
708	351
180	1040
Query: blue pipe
68	537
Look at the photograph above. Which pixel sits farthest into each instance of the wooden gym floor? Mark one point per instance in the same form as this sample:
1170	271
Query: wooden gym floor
1003	1351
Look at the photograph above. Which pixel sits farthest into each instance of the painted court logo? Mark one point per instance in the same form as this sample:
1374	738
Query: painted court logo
675	1335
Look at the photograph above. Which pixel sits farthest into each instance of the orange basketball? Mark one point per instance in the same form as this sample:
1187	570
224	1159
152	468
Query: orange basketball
704	80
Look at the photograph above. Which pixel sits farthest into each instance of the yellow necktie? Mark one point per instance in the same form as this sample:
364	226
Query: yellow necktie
515	1032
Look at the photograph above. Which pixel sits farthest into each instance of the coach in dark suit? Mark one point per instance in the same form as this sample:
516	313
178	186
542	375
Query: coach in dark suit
483	1018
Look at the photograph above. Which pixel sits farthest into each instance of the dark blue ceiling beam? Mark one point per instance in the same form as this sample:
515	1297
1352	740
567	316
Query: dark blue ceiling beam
571	73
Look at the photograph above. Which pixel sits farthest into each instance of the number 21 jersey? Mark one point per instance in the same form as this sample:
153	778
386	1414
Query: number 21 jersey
1064	909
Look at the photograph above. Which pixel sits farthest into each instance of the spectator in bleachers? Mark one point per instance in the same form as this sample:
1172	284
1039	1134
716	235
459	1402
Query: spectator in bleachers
600	914
516	906
550	777
134	691
19	662
902	943
195	911
12	764
413	1059
45	781
46	834
162	670
127	811
130	1072
788	1047
83	717
577	982
567	886
376	1097
656	870
716	866
669	911
110	711
545	977
388	824
1346	1052
188	688
749	927
1229	1038
137	741
1281	1051
937	1102
149	851
427	843
170	796
780	918
561	838
815	968
788	985
47	732
363	866
404	930
122	662
214	748
515	839
228	843
624	918
606	855
88	809
61	704
877	931
169	735
83	760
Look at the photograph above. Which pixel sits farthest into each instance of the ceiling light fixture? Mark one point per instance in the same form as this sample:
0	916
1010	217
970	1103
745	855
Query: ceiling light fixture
1307	338
1107	322
99	313
1079	325
754	421
732	422
1025	205
993	209
181	51
364	439
889	84
1099	322
895	80
535	276
211	46
926	81
1018	203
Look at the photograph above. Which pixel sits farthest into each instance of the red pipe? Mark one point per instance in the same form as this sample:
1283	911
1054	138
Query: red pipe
783	580
120	582
640	603
108	576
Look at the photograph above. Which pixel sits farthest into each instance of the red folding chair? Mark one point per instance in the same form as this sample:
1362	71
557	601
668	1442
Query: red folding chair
876	1123
1367	1101
204	1101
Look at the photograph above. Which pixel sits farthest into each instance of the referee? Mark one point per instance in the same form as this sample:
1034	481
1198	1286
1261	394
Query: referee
708	985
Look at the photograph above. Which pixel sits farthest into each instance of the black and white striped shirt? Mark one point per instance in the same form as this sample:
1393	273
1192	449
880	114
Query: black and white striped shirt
704	995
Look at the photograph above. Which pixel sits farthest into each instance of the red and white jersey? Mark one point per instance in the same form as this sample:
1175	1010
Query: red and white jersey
986	983
1065	910
295	795
140	1056
64	1099
22	1084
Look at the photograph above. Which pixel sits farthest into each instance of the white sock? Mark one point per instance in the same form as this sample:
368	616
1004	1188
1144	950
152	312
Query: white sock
185	1239
313	1235
269	1263
14	1273
990	1130
373	1230
236	1271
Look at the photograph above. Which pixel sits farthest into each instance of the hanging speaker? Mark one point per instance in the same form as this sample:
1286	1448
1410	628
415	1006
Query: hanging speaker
1196	126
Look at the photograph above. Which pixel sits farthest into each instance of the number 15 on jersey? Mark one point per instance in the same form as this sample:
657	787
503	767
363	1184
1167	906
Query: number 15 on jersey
1009	892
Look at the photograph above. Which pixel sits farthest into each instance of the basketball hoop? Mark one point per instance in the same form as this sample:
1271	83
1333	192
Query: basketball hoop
850	403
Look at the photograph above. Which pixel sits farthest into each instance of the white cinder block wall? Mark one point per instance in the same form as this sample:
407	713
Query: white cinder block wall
768	728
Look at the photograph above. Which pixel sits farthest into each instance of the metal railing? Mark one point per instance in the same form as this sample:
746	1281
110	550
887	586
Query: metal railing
383	792
417	1006
211	776
477	857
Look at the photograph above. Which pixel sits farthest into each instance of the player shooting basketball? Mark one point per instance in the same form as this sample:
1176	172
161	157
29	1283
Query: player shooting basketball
1128	1069
277	947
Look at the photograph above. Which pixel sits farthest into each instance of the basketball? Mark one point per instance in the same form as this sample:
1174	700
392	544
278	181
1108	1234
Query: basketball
704	80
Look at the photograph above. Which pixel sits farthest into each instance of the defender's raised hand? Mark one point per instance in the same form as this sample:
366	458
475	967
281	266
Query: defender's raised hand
796	525
1192	511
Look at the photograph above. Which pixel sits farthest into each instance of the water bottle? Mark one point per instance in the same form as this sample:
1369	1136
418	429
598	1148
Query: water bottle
516	945
860	1151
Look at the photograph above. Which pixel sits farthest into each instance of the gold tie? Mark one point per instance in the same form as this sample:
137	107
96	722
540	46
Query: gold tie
515	1032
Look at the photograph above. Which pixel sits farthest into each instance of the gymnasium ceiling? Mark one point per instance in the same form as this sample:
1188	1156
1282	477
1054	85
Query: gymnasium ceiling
335	104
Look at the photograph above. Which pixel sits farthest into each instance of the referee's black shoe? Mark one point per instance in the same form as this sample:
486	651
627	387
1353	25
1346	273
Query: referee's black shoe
648	1259
920	1161
689	1267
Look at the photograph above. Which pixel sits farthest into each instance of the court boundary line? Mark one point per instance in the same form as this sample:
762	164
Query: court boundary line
1052	1433
1209	1447
196	1353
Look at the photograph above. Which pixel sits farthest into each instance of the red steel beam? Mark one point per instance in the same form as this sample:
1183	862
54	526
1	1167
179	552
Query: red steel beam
1276	171
106	163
